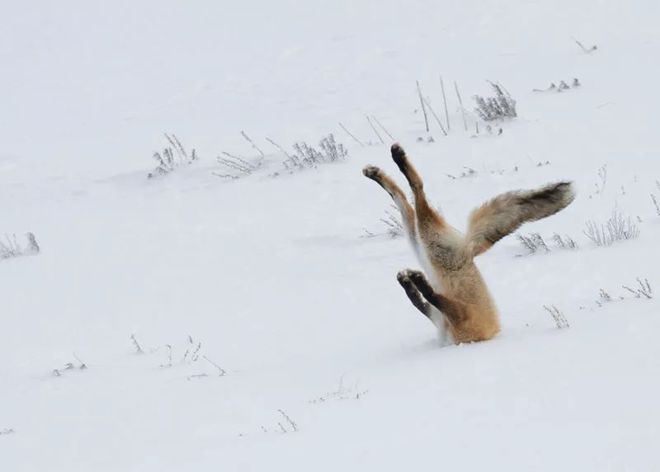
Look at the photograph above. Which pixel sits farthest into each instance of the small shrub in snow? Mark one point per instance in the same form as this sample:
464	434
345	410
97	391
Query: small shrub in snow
7	431
341	393
304	156
10	247
534	242
192	354
171	157
237	166
393	226
499	107
557	316
308	157
468	172
616	228
70	366
565	242
643	289
575	83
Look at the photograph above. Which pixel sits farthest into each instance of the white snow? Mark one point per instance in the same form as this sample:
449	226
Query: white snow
273	275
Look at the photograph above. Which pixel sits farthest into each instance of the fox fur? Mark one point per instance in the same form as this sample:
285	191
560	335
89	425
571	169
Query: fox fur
455	297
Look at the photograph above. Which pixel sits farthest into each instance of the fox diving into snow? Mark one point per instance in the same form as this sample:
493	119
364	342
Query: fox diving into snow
455	297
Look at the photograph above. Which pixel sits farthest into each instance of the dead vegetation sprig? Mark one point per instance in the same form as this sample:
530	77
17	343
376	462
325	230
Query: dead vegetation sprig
655	204
585	49
192	354
10	247
342	392
560	320
499	107
575	83
616	228
171	157
642	290
393	226
535	243
70	366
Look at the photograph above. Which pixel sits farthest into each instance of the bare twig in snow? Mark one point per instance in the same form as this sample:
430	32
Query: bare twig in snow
221	372
584	49
292	424
557	316
280	148
136	345
436	117
421	101
375	130
382	127
460	101
655	203
444	100
247	138
644	289
351	135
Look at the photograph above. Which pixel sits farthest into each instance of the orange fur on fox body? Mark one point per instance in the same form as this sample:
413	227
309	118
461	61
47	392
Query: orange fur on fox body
456	290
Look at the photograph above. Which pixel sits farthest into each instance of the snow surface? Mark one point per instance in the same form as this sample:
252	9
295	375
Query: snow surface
273	276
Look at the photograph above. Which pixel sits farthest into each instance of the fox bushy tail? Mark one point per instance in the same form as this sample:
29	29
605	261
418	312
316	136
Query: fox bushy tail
505	213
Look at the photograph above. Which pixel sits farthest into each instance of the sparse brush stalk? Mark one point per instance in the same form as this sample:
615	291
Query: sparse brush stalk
437	118
643	290
421	101
616	228
383	128
444	100
655	203
460	102
254	146
351	134
171	157
375	130
560	320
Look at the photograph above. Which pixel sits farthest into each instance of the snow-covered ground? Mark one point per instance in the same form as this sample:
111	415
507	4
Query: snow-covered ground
327	365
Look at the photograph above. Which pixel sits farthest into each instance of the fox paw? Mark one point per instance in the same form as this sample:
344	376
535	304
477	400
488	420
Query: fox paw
417	277
399	156
371	172
403	276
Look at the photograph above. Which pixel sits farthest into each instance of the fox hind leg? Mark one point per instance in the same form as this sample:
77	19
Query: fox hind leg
405	208
440	240
426	214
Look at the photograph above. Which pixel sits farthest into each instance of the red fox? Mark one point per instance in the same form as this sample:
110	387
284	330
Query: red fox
456	298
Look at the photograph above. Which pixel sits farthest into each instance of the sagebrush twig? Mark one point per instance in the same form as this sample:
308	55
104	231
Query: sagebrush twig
560	320
351	134
421	101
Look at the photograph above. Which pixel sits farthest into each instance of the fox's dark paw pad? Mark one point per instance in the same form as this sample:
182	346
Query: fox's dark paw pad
371	172
398	155
404	276
416	276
